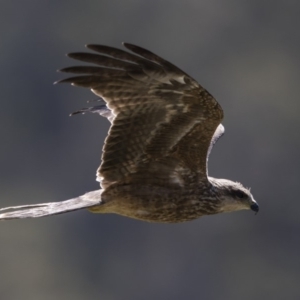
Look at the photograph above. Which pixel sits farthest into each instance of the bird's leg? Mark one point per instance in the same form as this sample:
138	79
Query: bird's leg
52	208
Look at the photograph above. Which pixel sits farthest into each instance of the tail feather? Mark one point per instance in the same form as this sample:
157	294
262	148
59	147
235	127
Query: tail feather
52	208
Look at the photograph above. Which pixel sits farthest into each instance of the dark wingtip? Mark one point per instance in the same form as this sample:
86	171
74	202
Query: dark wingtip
64	70
129	46
76	113
62	81
72	55
91	46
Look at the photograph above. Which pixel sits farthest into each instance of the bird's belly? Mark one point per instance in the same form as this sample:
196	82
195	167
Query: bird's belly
160	216
152	204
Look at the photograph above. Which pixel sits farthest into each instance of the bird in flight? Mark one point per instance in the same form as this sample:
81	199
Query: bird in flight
154	161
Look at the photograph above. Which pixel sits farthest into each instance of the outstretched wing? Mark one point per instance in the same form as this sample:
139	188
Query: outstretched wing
162	120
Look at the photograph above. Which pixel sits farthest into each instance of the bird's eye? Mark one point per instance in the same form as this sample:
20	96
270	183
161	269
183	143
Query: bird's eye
240	194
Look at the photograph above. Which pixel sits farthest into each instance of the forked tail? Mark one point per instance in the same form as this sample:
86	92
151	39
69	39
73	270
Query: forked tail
52	208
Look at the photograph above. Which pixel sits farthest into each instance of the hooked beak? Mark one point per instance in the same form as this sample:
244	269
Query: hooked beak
255	207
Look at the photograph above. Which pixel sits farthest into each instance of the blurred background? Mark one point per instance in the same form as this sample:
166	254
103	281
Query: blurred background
246	53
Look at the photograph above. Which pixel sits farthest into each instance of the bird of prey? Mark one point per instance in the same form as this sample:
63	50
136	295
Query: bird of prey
154	161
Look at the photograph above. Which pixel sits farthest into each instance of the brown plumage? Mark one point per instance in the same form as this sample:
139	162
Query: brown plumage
154	161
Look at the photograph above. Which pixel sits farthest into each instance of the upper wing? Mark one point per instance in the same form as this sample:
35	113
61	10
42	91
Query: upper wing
162	120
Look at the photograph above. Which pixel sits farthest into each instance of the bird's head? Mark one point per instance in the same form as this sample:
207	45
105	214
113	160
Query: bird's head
233	196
